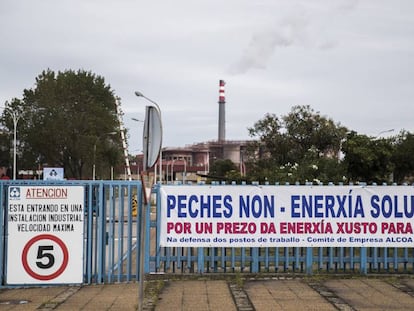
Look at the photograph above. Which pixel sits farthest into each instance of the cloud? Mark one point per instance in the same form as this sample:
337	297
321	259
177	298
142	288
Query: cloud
348	5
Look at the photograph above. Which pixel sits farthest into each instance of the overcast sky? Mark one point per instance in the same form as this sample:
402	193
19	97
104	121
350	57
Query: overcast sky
350	60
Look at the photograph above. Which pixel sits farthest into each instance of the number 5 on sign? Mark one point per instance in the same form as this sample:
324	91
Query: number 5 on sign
42	253
45	267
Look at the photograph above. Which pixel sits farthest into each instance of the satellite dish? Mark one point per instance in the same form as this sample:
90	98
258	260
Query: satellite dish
152	136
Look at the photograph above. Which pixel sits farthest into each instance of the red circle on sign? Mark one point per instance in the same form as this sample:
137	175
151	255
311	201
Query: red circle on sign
57	272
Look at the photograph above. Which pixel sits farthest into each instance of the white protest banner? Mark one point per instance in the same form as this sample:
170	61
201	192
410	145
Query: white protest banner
305	216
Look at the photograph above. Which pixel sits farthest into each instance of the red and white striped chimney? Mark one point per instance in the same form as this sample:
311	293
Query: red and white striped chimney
222	112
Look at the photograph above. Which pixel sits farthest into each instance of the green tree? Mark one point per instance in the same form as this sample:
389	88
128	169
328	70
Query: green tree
67	120
299	147
368	159
268	151
403	158
307	129
224	170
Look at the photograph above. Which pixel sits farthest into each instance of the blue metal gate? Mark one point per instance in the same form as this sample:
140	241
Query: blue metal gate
111	230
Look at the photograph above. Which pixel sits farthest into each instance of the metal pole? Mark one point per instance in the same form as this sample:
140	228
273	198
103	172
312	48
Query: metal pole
160	166
172	171
155	174
185	171
94	152
166	174
208	162
142	257
383	132
94	160
15	120
144	203
143	222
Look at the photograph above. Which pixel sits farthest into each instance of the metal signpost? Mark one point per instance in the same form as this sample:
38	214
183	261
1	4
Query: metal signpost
152	141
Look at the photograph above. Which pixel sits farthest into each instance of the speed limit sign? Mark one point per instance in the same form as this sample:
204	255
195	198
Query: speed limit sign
45	235
51	257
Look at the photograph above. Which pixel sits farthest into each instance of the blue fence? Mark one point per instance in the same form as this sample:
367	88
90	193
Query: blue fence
112	247
307	260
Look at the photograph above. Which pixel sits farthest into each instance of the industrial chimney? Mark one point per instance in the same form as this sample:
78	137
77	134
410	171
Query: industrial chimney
222	113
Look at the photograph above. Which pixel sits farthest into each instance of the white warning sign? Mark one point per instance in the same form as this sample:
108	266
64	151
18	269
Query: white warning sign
45	234
53	173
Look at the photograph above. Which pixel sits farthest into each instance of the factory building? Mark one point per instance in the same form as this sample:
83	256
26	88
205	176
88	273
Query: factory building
192	162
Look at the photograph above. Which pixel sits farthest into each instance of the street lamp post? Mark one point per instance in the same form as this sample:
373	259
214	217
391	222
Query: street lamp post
15	116
383	132
94	152
137	120
94	159
139	94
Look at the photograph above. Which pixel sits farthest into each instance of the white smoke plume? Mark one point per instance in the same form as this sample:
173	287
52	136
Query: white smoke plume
263	44
293	31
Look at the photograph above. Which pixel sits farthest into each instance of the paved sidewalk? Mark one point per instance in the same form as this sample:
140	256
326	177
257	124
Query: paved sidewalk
122	296
285	295
272	293
196	295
